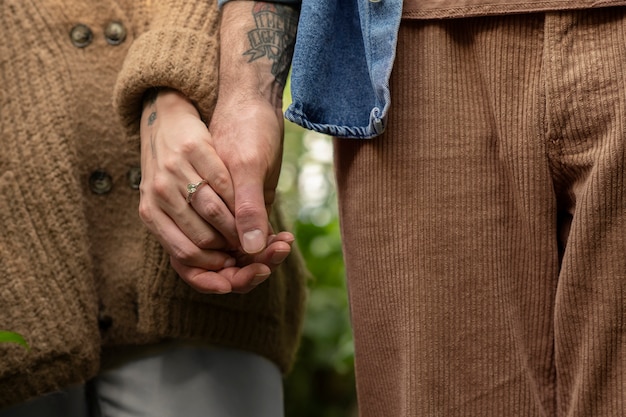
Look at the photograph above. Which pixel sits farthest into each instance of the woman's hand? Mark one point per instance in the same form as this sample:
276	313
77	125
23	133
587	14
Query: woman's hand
198	229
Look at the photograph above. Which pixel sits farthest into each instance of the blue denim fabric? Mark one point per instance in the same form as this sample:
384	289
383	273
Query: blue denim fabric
341	66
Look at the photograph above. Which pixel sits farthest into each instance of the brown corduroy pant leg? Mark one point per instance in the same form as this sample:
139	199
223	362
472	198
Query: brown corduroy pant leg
485	231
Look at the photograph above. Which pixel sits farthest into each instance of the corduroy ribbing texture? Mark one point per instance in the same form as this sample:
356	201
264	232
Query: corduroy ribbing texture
485	231
437	9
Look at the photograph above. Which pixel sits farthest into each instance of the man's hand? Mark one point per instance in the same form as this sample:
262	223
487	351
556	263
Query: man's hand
257	41
249	141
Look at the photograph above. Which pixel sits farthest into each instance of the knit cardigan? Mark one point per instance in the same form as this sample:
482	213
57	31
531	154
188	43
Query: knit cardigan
80	277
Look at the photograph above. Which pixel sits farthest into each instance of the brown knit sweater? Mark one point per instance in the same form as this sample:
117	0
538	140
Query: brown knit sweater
80	277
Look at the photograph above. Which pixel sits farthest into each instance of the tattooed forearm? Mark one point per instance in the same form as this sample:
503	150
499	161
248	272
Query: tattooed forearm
274	37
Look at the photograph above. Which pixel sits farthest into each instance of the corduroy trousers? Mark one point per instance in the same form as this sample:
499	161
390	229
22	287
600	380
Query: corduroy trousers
485	232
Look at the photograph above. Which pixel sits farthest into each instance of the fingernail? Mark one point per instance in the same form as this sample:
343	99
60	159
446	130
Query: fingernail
279	256
259	278
253	241
230	262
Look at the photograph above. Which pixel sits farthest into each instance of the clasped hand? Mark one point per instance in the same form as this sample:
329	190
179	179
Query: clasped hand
219	241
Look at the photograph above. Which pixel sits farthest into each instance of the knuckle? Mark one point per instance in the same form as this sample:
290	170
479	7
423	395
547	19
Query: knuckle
246	210
212	209
216	261
188	145
170	163
145	213
220	181
159	186
246	162
208	241
204	242
183	254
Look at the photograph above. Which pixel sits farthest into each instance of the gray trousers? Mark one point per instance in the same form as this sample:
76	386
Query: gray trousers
182	381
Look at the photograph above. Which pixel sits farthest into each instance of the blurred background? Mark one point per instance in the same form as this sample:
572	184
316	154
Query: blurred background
322	381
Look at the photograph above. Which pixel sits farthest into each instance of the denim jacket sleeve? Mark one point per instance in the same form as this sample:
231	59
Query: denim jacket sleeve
341	66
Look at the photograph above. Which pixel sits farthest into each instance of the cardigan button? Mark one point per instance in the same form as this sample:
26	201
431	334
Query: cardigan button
115	33
100	182
134	177
81	36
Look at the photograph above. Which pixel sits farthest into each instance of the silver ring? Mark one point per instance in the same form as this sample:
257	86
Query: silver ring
192	188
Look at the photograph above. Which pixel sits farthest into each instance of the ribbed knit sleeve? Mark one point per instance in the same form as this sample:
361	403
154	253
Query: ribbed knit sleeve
178	50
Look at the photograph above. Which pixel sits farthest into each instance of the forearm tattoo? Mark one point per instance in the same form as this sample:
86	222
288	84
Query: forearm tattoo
274	37
150	100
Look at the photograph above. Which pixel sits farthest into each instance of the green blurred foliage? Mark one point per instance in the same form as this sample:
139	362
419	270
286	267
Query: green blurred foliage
11	337
322	381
